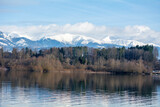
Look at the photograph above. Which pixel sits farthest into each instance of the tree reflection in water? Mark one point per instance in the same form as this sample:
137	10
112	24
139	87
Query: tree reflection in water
135	85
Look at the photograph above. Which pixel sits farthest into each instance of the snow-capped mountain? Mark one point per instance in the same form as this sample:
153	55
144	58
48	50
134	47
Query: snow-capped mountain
74	39
4	41
13	39
121	42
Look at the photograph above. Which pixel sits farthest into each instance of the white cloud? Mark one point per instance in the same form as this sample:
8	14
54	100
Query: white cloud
137	32
36	32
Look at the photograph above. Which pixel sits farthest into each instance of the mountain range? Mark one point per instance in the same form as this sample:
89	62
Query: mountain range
10	40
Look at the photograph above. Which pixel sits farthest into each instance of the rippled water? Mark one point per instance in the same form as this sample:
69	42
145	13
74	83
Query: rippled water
19	89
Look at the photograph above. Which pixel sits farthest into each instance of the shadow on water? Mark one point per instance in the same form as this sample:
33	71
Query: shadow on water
136	85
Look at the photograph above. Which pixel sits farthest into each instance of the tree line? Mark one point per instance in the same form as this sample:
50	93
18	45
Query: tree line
139	59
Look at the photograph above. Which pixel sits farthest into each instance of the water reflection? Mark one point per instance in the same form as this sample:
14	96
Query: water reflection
78	89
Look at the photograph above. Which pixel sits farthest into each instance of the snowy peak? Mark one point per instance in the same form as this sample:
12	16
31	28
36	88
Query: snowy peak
14	39
22	42
122	42
4	41
73	39
65	38
11	35
107	40
1	35
127	43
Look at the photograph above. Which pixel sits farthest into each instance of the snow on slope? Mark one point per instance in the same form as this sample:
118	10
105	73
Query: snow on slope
127	42
21	42
122	42
73	39
107	40
3	44
4	41
14	39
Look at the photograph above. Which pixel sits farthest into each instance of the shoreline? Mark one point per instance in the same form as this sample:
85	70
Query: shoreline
156	72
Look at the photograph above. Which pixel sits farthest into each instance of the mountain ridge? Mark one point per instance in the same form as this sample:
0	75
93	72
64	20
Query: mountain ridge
11	40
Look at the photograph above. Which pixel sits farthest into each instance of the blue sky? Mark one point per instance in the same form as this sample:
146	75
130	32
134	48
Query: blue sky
119	19
112	13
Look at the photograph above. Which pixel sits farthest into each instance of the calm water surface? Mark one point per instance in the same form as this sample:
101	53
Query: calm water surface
23	89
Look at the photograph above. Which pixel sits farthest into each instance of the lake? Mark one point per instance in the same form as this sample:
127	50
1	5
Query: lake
59	89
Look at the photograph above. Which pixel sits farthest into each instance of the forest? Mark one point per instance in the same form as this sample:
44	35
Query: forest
139	59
